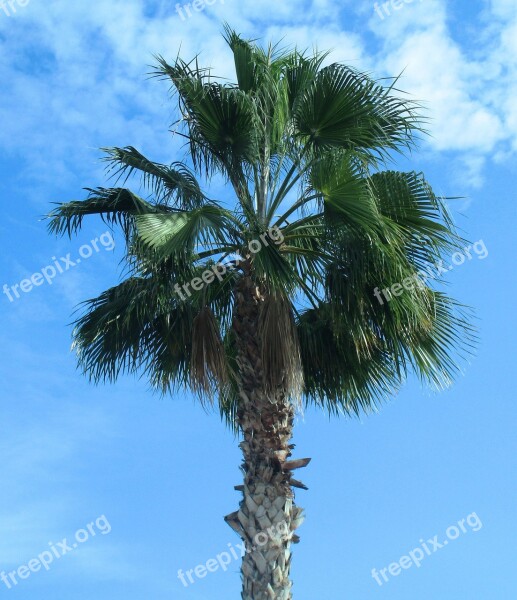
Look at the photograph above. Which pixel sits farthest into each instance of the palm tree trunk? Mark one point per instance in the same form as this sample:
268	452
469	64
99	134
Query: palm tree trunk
267	516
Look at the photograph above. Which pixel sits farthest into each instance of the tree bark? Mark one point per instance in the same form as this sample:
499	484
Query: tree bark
267	516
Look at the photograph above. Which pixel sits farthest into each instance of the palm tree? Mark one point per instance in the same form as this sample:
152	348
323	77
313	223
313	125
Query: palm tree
267	299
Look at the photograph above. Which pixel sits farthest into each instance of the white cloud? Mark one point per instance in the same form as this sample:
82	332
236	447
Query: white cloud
503	8
77	73
469	171
466	91
437	73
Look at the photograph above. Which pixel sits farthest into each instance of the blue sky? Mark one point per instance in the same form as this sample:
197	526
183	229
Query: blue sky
162	470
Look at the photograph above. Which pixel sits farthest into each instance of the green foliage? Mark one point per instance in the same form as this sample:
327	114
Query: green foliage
301	147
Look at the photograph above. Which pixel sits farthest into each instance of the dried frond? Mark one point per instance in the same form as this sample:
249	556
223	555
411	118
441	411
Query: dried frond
208	369
280	348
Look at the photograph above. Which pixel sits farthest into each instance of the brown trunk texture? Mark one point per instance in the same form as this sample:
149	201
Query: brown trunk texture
267	517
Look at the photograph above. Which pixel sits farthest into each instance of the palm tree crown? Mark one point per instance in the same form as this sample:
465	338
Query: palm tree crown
301	147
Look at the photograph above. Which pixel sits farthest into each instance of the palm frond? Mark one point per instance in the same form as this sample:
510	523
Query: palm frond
344	195
421	219
174	184
336	376
343	108
134	326
187	231
301	73
116	206
220	118
280	348
208	369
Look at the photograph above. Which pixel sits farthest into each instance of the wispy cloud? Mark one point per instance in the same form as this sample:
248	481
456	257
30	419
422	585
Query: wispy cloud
87	86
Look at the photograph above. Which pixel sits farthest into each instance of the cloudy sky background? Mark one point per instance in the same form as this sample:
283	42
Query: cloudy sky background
74	78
